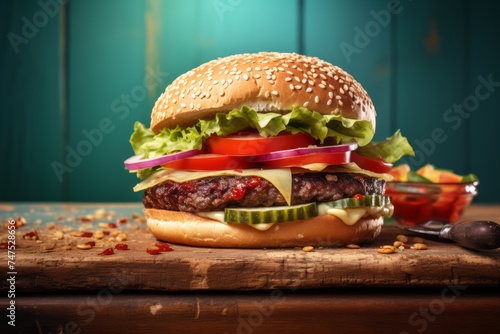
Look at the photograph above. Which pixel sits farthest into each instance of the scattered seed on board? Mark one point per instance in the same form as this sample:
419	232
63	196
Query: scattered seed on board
308	249
398	244
121	237
59	235
98	234
385	250
418	240
83	246
402	238
420	246
352	246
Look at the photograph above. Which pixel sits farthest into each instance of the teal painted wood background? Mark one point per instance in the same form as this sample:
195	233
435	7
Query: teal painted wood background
76	77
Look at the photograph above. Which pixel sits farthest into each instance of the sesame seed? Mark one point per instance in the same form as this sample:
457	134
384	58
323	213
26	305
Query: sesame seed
289	72
237	77
316	99
249	69
281	69
288	79
311	82
341	91
304	81
298	86
338	97
230	81
209	88
346	87
174	101
309	89
216	82
207	95
191	105
336	77
256	76
198	105
257	68
332	87
329	102
297	79
266	94
183	105
305	104
291	87
322	86
330	95
245	77
275	92
221	93
340	103
322	76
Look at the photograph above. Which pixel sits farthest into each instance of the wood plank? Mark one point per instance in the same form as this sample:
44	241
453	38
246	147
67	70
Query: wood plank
461	308
336	32
45	265
30	117
482	110
212	29
109	90
430	79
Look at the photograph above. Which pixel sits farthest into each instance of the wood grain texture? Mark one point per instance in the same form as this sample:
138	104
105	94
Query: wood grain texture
463	310
31	123
415	67
189	268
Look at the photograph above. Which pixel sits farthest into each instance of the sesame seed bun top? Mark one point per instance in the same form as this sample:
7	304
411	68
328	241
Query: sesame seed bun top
266	81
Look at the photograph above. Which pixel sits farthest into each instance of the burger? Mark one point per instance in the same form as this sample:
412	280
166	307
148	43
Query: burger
264	150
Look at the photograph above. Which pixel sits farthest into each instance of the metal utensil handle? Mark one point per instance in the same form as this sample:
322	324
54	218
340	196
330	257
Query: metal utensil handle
480	234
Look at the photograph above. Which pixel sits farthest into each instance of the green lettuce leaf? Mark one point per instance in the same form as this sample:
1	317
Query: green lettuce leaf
390	150
319	126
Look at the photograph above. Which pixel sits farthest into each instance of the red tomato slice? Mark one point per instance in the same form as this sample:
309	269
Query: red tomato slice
210	162
374	165
306	159
250	144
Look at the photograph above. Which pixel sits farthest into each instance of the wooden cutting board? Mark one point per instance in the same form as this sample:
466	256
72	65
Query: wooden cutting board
52	264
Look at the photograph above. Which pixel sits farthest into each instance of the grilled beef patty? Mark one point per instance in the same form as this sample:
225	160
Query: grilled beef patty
217	193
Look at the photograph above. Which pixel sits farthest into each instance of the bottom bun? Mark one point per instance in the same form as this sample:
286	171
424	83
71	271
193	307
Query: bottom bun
325	230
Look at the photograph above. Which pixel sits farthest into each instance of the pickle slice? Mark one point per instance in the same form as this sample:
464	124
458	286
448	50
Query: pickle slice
368	200
274	214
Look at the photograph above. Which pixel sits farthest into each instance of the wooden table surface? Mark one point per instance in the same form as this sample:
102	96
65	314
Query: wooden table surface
59	286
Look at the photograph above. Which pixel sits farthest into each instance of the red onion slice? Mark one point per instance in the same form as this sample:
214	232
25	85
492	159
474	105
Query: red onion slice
136	162
306	150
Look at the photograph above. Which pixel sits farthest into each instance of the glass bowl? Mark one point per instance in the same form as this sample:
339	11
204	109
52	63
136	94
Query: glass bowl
417	202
